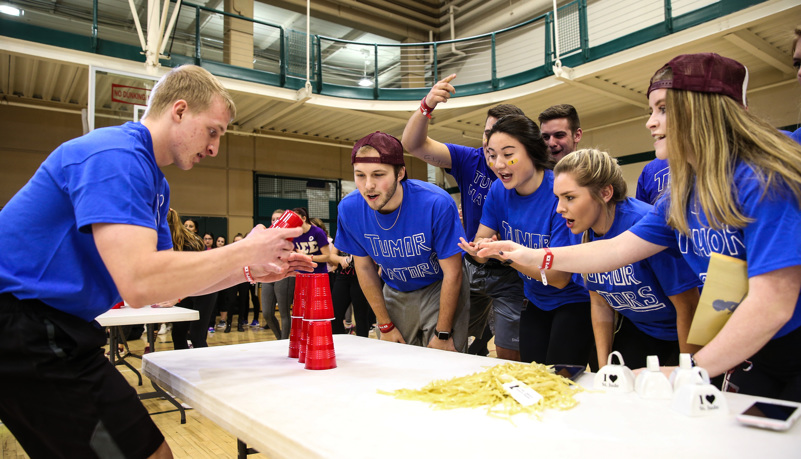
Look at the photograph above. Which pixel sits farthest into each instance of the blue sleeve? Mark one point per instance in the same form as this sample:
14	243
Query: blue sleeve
447	228
165	235
115	187
673	273
489	214
458	157
642	193
771	240
653	226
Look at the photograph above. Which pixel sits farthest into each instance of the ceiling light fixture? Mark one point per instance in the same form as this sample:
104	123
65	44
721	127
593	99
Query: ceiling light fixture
365	82
10	10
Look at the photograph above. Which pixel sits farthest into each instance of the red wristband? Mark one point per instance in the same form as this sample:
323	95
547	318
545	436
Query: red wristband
547	260
386	328
248	276
425	109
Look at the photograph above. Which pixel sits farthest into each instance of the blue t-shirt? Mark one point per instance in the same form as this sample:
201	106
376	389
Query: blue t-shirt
408	251
532	221
107	176
653	180
474	177
796	136
640	290
310	243
768	243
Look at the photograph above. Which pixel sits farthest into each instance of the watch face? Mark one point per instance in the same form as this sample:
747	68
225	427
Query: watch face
443	335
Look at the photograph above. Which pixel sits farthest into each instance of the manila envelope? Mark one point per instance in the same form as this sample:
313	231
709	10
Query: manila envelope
725	287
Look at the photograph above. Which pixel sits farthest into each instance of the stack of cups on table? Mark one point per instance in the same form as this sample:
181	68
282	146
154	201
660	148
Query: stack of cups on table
310	338
318	313
290	219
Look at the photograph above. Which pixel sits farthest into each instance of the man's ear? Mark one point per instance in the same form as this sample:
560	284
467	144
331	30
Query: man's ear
179	109
577	136
402	173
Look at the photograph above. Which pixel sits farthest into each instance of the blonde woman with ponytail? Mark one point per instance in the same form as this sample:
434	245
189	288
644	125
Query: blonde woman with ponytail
641	309
735	189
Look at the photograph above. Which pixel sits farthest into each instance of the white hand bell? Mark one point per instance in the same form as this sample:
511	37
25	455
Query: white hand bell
616	379
700	398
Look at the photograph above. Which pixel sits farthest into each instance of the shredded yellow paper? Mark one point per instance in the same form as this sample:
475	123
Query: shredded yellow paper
486	389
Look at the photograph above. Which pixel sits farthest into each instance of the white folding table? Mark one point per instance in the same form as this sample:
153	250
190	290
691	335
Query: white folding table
270	402
148	315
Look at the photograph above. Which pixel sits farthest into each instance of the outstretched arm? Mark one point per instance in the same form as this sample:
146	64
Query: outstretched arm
415	136
594	257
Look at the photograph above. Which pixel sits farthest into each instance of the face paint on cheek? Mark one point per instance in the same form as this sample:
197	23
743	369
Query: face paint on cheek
491	164
512	162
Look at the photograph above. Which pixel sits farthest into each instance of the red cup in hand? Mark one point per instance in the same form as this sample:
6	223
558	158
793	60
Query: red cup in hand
288	219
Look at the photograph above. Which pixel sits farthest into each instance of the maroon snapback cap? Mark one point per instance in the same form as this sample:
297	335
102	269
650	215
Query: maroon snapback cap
704	72
389	148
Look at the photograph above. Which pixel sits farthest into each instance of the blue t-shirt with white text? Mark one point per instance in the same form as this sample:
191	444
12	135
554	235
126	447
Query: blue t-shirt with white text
532	221
653	180
473	177
424	229
640	290
768	243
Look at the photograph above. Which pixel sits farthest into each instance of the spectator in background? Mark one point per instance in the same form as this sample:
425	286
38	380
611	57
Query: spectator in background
313	242
561	130
226	298
208	241
240	300
190	225
281	292
184	240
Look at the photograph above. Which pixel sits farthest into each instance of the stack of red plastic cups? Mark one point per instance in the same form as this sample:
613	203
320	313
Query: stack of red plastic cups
317	319
290	219
299	305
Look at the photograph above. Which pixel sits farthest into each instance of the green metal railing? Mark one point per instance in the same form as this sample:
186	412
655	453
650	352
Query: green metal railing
484	63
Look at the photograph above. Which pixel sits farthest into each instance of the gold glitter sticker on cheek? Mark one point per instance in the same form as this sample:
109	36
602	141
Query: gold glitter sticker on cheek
491	164
512	162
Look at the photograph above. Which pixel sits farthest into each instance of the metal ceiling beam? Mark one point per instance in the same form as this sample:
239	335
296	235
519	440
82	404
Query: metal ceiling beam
759	48
600	87
379	22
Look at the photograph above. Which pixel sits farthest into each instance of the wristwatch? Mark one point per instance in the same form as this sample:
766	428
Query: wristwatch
444	336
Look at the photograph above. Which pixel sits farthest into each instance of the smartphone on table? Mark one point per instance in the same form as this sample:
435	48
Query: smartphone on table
569	371
775	414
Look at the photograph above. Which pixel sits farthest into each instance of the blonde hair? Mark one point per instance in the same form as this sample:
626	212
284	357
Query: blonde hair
181	236
714	132
191	83
595	170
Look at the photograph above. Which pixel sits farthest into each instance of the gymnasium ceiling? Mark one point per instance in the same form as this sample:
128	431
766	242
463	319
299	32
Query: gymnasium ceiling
606	92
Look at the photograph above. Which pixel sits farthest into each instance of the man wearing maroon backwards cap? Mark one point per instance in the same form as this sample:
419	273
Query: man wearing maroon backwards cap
492	284
411	230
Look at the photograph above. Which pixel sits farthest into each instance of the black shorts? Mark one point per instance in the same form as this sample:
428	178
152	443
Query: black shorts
59	395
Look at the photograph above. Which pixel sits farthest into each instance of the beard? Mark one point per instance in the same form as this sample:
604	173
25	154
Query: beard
379	205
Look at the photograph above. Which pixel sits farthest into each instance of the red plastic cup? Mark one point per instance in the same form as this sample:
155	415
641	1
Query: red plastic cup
320	353
288	219
318	301
294	337
301	294
304	337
